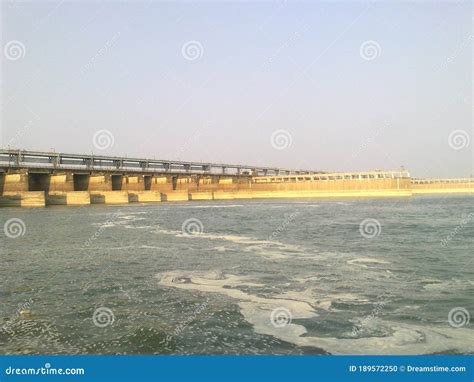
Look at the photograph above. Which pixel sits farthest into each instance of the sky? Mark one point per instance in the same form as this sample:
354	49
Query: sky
323	86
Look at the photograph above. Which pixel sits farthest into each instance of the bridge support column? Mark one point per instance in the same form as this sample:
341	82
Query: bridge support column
161	183
100	183
133	183
15	182
61	182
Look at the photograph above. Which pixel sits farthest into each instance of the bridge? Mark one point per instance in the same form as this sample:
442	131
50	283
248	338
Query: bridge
33	179
52	161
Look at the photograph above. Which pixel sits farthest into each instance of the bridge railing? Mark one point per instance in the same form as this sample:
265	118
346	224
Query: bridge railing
333	176
18	159
441	180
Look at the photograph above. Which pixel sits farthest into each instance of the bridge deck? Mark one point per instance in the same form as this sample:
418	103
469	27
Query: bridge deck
50	161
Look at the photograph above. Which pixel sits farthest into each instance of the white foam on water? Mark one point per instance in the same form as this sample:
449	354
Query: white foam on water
362	261
220	248
138	227
150	247
294	205
432	284
402	338
213	206
266	248
217	283
105	225
311	297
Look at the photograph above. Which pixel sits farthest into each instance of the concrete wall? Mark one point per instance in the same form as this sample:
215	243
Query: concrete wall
174	196
22	199
100	183
86	182
203	195
15	182
144	196
109	197
443	187
133	183
161	183
22	189
70	198
50	182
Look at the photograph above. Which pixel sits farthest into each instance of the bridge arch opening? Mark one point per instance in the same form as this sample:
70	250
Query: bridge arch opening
81	182
117	182
38	182
147	182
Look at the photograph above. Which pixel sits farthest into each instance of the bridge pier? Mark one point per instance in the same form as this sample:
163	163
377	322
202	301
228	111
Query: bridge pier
15	182
100	183
133	183
50	182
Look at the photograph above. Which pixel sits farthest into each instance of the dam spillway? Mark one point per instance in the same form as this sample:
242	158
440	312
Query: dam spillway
36	179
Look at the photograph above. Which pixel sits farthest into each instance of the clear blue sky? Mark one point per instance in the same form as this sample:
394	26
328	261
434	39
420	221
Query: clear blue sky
260	67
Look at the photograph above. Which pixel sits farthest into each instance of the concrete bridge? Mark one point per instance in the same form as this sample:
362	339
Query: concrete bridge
52	161
30	178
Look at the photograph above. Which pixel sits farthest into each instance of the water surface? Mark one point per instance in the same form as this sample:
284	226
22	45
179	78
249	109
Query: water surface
258	277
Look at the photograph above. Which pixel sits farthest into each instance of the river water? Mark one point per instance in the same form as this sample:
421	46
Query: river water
391	276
